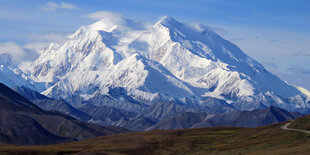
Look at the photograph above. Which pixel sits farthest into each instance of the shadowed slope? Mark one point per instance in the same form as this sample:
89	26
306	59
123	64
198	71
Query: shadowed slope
22	122
50	104
253	118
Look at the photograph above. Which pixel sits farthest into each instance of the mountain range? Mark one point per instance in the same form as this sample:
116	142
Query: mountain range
139	65
135	75
176	116
255	118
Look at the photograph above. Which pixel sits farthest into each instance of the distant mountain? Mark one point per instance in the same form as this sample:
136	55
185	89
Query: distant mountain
22	123
161	115
170	61
180	121
11	75
134	75
88	112
116	98
107	116
104	111
255	118
50	104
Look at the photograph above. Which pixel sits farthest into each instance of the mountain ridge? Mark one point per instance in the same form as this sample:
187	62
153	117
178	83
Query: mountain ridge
50	104
255	118
24	123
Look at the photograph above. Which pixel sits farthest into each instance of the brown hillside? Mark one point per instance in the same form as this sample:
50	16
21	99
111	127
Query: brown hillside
264	140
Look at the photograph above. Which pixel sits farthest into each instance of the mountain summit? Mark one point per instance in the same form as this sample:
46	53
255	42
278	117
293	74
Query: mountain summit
168	61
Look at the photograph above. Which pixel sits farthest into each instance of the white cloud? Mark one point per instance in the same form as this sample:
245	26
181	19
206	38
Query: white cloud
53	6
18	53
107	16
36	46
12	49
68	6
39	42
111	19
31	50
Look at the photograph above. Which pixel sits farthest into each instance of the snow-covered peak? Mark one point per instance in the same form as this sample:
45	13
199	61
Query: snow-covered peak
168	22
170	59
102	25
93	30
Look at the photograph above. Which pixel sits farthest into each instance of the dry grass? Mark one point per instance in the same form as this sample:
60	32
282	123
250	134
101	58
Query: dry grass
264	140
301	123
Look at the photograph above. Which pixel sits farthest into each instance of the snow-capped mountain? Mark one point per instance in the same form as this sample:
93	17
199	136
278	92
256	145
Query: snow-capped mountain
11	75
168	61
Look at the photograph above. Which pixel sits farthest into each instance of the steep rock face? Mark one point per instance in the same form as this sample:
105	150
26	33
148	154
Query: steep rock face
169	61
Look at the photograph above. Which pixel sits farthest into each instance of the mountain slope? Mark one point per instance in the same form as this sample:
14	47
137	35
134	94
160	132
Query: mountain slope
180	121
49	104
255	118
22	123
169	61
11	75
301	123
21	129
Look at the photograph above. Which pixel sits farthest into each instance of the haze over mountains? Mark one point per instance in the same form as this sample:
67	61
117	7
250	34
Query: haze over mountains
134	75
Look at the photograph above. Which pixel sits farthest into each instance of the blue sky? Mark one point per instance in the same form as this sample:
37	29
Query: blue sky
274	32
